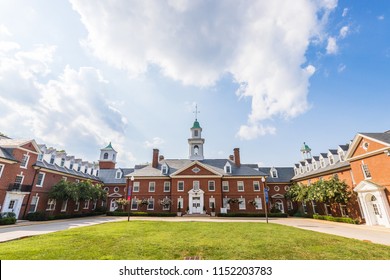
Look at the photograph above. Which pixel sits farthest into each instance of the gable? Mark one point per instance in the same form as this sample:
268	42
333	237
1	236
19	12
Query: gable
196	169
365	146
367	186
31	146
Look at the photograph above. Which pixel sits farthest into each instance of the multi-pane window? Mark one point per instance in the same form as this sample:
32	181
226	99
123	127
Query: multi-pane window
344	211
64	205
77	206
86	204
256	186
212	186
314	206
241	203
33	204
225	203
225	186
94	204
212	202
152	186
195	185
150	204
41	178
342	156
51	204
62	161
274	173
366	171
24	161
180	186
118	174
259	203
180	201
1	169
167	186
134	204
136	187
240	186
52	158
19	180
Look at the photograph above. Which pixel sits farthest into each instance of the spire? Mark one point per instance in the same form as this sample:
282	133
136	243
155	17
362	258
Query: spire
306	151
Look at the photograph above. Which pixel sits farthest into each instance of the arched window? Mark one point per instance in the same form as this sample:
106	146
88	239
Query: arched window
105	156
196	150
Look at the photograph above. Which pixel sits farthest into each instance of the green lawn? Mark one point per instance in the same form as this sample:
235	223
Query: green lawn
151	240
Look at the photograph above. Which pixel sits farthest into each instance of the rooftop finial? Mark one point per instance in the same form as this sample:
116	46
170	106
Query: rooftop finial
196	112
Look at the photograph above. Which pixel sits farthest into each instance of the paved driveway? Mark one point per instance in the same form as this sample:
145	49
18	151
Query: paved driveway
373	234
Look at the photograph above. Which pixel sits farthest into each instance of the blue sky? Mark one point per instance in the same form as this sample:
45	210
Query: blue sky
266	75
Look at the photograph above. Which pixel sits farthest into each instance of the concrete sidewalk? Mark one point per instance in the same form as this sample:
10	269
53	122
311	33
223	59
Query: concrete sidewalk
374	234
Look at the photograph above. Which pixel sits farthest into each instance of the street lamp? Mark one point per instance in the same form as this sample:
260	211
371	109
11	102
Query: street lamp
265	198
129	196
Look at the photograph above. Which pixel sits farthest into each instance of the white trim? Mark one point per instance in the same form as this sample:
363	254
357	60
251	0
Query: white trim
225	184
25	165
167	183
178	184
64	203
211	181
51	204
152	187
258	183
238	186
42	180
2	166
136	186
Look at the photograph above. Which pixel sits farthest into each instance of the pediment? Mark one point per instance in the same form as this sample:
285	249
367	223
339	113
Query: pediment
367	186
278	195
196	169
115	195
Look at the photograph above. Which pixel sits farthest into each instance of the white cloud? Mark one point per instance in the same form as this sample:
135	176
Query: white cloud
344	32
156	142
345	12
332	47
4	30
381	17
262	44
68	111
341	68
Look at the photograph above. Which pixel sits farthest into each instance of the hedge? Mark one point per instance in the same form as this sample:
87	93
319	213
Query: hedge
144	214
271	215
336	219
43	216
7	218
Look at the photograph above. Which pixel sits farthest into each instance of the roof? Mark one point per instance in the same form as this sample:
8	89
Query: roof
57	168
7	154
196	124
327	169
383	137
108	148
217	165
285	174
108	176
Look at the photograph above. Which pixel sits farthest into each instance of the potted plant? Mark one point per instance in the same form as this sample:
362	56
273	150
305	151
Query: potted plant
212	209
179	209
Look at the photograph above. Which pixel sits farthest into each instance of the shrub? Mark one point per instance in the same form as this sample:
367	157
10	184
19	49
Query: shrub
144	214
37	216
7	218
271	215
336	219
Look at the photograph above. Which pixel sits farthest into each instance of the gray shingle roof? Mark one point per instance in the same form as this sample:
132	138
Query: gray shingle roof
216	165
65	170
7	154
108	176
383	137
326	169
285	174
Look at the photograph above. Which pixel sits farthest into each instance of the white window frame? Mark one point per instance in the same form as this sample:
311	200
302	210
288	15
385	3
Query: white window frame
211	186
181	200
116	189
342	156
242	205
180	183
331	159
118	174
276	188
35	205
64	178
24	162
225	203
77	206
40	184
22	179
274	173
314	205
62	163
259	203
239	185
134	203
86	204
152	186
167	186
366	171
136	187
256	183
52	159
150	204
51	204
64	205
94	204
195	185
225	186
2	166
228	168
164	169
211	201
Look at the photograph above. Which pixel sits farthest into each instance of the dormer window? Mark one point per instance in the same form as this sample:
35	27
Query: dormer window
301	170
71	165
228	168
307	168
62	162
322	162
274	173
341	155
315	165
40	157
331	160
52	158
118	174
164	169
296	171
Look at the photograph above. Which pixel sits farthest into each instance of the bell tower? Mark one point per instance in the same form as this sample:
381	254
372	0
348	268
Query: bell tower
107	157
196	141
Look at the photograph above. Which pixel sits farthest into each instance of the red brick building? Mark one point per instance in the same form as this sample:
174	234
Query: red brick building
197	184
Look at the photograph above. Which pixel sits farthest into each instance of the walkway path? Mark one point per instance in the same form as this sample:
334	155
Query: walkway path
373	234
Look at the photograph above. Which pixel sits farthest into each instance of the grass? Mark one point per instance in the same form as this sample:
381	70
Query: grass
152	240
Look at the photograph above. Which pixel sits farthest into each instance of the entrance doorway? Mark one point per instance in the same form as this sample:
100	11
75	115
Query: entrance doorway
196	207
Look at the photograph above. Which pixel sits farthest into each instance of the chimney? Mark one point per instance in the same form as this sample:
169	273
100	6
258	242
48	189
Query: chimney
155	158
231	157
161	157
237	157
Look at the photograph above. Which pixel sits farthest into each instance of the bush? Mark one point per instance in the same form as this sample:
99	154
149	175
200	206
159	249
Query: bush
142	214
336	219
271	215
37	216
7	218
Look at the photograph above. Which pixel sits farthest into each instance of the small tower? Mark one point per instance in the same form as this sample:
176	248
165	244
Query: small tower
196	141
107	157
305	151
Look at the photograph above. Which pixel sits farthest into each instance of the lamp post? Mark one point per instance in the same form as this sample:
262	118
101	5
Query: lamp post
265	199
129	196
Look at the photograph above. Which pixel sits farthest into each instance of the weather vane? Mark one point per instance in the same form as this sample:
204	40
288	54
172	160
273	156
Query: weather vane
196	112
